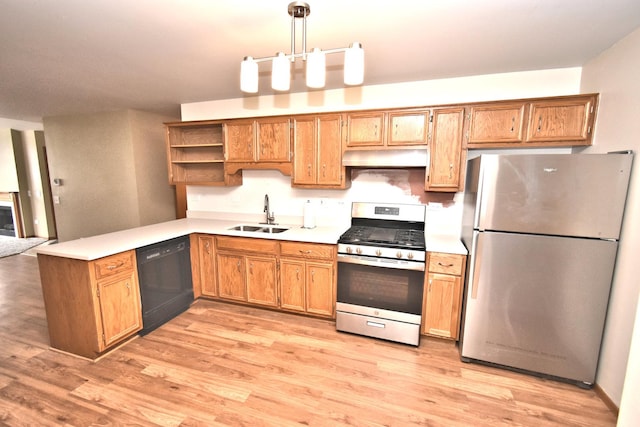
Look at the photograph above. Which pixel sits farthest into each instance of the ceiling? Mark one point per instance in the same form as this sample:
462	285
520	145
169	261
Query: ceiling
77	56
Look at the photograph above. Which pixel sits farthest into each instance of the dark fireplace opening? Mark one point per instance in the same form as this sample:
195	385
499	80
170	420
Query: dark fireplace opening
7	226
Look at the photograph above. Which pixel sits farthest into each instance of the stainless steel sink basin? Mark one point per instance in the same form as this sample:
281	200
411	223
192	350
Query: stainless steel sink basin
259	228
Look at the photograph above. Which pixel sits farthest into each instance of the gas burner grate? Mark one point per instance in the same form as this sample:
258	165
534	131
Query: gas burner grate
386	237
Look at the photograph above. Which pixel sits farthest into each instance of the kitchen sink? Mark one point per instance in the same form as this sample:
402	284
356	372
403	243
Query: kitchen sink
259	228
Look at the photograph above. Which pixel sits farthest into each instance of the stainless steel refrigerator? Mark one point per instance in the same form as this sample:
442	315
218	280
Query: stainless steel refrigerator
542	232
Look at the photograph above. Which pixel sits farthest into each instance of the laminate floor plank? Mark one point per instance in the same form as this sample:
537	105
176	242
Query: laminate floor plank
221	364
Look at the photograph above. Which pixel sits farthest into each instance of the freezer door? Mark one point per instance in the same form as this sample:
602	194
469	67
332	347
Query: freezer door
538	303
560	194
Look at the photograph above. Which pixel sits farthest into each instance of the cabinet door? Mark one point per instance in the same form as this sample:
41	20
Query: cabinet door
305	149
207	271
320	288
273	140
442	308
560	120
292	281
446	151
261	281
408	128
496	123
239	141
120	308
330	170
365	130
231	274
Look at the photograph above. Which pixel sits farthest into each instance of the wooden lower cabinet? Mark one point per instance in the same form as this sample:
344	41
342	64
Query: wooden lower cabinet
307	278
244	276
101	301
442	302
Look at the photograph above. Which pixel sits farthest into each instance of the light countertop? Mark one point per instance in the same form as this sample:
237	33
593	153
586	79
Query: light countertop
91	248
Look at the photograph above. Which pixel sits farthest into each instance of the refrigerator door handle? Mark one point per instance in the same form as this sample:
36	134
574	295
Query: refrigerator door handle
475	265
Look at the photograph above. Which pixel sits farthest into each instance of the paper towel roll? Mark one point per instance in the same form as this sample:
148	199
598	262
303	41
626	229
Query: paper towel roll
309	215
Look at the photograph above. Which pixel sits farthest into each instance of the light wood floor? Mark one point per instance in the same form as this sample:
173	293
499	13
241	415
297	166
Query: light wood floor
220	364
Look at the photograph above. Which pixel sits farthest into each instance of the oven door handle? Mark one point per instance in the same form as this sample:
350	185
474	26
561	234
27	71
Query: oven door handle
382	262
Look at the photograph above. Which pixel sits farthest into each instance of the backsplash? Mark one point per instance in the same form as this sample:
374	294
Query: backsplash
332	207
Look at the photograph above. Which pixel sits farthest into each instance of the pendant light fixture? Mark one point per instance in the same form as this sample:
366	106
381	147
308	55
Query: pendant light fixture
315	60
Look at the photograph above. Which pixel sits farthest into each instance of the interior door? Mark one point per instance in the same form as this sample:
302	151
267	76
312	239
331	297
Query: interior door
538	302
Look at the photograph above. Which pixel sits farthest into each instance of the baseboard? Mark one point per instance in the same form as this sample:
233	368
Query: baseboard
606	399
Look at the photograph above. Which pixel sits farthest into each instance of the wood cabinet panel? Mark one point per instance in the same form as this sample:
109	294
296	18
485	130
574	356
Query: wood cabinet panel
292	285
320	286
442	313
119	300
408	128
207	265
261	281
365	129
446	153
231	276
442	304
318	152
496	123
273	140
239	140
560	120
308	250
114	264
247	244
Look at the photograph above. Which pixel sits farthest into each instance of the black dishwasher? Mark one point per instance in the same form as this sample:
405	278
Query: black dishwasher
166	289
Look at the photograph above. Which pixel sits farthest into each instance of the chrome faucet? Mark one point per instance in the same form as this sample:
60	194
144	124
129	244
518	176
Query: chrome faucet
270	217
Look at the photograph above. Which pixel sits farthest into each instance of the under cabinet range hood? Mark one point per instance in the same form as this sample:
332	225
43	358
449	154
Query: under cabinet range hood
386	158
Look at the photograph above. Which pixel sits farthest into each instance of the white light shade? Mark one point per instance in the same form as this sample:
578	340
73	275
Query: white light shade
280	72
249	75
316	66
354	65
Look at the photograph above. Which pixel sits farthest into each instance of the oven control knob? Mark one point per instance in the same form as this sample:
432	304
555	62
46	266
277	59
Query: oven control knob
410	255
358	251
378	252
399	254
349	250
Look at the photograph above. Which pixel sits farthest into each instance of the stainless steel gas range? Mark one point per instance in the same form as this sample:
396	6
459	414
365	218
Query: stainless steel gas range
381	264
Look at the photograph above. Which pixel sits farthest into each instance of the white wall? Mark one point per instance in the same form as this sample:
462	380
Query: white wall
19	124
333	205
615	75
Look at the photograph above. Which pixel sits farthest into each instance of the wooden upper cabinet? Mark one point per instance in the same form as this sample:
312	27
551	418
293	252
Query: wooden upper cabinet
261	140
496	123
387	129
317	144
561	120
273	140
365	129
408	128
195	154
446	153
239	140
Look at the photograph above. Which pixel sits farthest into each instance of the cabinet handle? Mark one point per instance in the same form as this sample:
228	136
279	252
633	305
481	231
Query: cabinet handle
430	282
324	171
113	267
539	123
297	274
313	276
206	247
250	268
238	266
513	123
309	170
304	252
450	170
445	265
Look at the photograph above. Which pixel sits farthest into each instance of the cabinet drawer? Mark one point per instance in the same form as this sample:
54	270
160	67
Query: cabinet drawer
307	250
446	263
245	244
114	264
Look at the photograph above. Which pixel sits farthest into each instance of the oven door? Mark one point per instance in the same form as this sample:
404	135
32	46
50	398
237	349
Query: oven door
383	284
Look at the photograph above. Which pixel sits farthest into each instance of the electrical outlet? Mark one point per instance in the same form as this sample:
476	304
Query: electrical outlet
56	200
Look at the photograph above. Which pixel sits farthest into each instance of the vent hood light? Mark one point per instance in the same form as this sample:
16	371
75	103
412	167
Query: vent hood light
387	158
